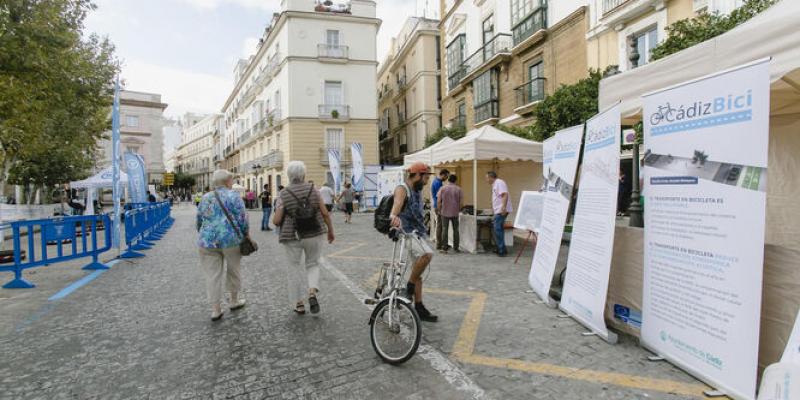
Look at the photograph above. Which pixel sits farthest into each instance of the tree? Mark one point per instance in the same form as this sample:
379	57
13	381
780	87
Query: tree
183	181
689	32
454	133
55	91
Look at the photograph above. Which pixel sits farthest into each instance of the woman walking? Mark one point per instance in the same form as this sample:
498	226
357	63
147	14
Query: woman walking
300	214
348	196
219	241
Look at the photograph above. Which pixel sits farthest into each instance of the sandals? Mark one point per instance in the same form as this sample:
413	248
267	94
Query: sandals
312	301
300	308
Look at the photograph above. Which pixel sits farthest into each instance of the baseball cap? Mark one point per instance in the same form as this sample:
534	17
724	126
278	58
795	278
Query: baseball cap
419	167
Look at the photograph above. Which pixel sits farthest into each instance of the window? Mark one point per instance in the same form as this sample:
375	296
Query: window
488	29
332	38
333	93
520	9
536	82
527	17
645	42
132	121
455	59
334	138
485	92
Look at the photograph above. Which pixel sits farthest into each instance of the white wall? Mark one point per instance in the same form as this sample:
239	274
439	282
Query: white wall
305	34
307	80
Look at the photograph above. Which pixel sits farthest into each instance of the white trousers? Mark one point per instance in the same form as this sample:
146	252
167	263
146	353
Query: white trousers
212	261
302	268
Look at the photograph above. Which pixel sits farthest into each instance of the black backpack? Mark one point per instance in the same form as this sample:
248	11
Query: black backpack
304	215
383	220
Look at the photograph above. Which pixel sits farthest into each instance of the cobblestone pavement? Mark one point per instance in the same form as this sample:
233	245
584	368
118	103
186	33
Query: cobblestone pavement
142	330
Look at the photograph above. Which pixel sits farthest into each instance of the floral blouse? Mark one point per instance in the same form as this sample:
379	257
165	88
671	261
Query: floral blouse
215	230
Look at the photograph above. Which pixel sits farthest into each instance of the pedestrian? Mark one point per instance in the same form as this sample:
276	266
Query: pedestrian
300	214
450	200
435	187
151	198
266	208
409	218
347	196
251	199
326	191
501	207
197	197
221	221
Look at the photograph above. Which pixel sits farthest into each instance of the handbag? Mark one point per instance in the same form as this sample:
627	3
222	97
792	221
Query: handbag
246	246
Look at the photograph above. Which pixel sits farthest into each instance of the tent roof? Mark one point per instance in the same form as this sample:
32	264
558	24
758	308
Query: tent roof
100	180
488	143
773	33
426	155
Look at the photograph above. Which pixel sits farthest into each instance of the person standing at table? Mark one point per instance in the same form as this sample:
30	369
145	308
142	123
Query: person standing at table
501	207
437	184
450	199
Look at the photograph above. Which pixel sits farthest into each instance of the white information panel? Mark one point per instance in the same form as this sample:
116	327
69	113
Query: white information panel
589	262
705	177
560	165
529	211
791	354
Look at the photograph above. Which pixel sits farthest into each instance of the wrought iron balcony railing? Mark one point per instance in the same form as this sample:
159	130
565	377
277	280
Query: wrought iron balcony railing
458	121
534	22
487	110
332	51
334	112
500	43
530	92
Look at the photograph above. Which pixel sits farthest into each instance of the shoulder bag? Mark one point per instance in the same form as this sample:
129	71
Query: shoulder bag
246	245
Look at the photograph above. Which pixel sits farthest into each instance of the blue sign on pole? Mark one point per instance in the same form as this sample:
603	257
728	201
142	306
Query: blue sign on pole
115	165
137	182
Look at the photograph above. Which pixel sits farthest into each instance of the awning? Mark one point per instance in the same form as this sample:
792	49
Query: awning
101	180
426	155
773	33
488	143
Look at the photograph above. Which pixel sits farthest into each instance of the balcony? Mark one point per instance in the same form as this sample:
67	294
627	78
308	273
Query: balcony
273	117
533	23
344	156
272	160
402	83
611	5
334	112
456	77
500	44
458	121
340	8
486	112
528	94
332	52
245	136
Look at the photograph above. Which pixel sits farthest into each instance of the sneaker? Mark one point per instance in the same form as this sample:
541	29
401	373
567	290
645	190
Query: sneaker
410	290
424	314
216	316
312	301
237	305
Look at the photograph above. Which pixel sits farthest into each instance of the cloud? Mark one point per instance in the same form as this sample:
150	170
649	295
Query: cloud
213	4
249	46
183	90
394	13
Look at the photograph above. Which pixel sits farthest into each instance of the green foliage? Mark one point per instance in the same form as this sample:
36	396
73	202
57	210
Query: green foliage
525	132
689	32
569	105
183	181
54	91
454	133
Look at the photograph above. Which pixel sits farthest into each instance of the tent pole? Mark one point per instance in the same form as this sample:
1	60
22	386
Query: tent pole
475	188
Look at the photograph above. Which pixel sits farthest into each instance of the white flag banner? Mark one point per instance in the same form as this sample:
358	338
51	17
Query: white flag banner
560	164
358	167
335	167
589	262
705	176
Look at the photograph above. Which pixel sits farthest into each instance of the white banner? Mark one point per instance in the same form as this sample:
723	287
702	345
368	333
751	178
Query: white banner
560	165
589	262
335	167
358	167
705	178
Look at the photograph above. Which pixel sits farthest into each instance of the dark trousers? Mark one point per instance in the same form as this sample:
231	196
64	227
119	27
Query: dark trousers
439	243
265	217
447	221
499	233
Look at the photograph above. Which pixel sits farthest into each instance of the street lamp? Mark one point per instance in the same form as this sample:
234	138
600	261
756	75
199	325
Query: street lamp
635	210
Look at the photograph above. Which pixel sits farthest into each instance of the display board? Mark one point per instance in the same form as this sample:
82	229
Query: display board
529	212
560	164
592	243
792	352
705	176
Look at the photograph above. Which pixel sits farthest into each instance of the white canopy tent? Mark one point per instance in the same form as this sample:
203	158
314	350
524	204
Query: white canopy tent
102	179
774	33
426	155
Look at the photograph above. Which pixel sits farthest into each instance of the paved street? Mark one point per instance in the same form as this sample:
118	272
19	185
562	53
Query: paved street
142	330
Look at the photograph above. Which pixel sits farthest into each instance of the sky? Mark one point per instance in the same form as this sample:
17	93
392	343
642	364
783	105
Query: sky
186	49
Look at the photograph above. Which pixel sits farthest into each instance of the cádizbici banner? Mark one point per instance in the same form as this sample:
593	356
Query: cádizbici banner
560	164
705	176
589	262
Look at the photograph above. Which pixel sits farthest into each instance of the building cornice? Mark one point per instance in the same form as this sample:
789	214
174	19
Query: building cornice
449	13
142	103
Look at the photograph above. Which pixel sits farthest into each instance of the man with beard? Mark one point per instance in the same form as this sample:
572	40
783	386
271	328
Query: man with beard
407	214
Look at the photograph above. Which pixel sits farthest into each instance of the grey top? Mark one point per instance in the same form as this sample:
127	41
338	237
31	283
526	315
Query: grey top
347	195
289	203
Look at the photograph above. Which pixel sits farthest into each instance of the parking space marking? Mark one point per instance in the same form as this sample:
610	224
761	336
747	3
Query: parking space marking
464	350
80	282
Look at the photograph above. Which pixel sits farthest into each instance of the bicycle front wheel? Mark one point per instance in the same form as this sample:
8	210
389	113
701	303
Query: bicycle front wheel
395	335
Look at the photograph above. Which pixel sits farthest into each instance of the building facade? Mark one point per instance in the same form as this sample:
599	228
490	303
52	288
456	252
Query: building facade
310	87
623	32
409	90
501	57
141	131
194	155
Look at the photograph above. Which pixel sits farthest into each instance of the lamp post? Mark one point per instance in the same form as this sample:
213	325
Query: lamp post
635	210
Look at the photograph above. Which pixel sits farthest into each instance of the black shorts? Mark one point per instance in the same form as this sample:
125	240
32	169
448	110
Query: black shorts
348	208
329	207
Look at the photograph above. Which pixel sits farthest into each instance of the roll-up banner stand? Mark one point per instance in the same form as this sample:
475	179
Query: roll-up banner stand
560	164
705	174
592	243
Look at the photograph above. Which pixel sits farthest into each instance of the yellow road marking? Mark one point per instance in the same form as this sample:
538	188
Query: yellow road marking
464	348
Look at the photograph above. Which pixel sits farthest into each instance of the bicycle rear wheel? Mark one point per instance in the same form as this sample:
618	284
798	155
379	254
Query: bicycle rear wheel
396	340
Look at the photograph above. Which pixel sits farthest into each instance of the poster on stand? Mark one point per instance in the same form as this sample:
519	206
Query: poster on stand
589	260
529	211
705	176
561	163
791	354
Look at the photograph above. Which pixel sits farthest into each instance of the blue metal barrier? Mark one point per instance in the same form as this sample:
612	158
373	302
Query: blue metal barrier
73	237
145	223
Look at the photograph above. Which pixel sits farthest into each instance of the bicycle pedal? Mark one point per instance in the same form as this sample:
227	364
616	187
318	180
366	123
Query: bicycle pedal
370	302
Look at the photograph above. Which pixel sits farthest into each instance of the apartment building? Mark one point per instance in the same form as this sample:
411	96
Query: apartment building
501	57
409	90
194	154
310	87
141	131
623	32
